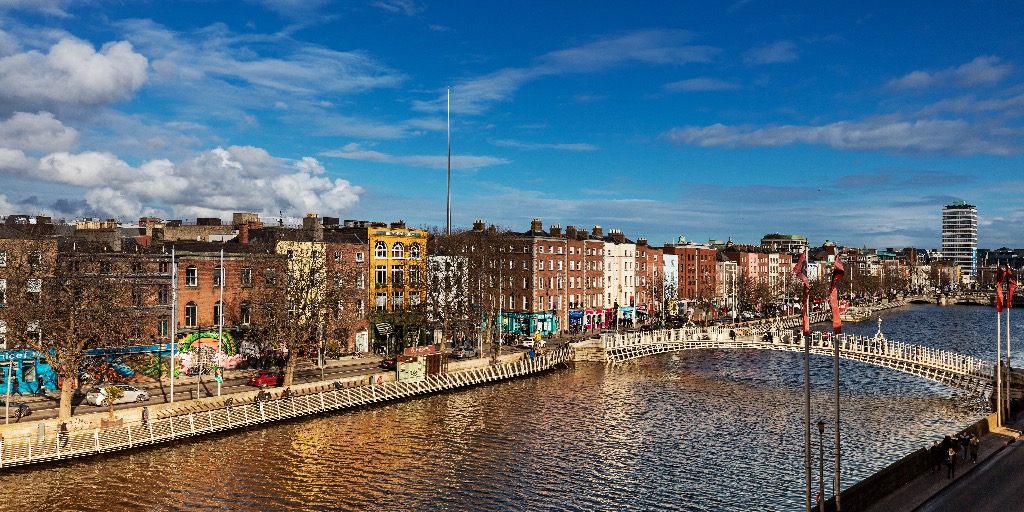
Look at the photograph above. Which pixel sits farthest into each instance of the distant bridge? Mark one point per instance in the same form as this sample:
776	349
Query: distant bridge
966	373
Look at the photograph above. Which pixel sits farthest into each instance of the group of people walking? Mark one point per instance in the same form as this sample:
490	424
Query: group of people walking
951	448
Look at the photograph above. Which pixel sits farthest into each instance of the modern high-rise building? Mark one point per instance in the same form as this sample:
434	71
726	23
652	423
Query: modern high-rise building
960	237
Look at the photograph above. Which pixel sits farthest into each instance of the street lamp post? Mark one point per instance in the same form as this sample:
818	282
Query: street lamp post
821	466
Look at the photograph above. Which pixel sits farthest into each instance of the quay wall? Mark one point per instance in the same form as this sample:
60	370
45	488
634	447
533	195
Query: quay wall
865	494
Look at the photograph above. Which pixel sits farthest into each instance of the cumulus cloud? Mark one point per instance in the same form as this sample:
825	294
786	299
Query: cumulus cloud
36	132
72	74
956	137
983	70
781	51
459	162
214	182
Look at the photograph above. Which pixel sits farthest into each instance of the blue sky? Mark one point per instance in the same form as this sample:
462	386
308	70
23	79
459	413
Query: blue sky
852	122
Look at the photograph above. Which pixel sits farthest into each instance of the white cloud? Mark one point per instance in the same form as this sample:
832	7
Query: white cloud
537	145
14	161
73	74
51	7
406	7
701	84
651	47
36	132
214	182
781	51
983	70
955	137
459	162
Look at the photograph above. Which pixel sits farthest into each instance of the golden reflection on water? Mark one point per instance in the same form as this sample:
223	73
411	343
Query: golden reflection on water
691	431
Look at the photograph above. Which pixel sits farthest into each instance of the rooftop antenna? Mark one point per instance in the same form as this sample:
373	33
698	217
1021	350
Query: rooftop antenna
449	230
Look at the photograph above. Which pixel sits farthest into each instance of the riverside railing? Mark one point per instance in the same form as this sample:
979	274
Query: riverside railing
233	413
956	370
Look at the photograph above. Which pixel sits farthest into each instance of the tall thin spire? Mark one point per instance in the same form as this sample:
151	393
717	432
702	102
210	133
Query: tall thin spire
448	231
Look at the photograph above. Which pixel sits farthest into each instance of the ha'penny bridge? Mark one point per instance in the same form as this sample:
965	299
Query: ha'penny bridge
961	372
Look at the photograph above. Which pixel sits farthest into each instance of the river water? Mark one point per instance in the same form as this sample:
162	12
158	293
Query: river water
702	430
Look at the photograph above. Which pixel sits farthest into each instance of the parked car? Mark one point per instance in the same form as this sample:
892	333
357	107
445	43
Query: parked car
98	395
18	409
389	363
266	378
464	353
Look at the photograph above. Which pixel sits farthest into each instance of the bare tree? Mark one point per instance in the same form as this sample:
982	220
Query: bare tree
64	307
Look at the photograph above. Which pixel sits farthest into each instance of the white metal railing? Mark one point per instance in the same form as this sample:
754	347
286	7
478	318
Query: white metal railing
232	414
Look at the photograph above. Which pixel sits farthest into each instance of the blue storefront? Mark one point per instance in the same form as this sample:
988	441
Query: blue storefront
20	372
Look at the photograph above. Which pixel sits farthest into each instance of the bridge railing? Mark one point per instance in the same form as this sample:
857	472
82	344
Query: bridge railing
929	356
233	415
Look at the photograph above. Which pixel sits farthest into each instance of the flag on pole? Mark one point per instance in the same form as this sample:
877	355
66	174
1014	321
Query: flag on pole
1000	277
1011	286
833	295
800	269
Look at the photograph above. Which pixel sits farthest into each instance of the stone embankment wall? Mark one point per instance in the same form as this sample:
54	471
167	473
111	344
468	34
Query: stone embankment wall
866	493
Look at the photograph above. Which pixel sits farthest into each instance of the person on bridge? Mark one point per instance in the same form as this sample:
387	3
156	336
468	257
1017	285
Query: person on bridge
974	449
965	444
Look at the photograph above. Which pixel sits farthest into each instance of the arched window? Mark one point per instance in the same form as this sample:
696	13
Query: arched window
414	251
245	314
380	250
191	314
398	250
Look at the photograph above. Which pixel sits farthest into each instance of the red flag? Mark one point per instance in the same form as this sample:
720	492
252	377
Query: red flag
1000	277
833	295
1011	286
800	269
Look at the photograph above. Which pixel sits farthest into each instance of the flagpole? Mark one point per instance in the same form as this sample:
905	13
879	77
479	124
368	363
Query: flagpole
174	314
999	368
807	406
835	487
449	225
1009	305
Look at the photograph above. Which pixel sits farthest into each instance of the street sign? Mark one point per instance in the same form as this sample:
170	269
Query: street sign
218	374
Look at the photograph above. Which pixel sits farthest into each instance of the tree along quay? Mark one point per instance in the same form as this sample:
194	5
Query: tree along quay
96	433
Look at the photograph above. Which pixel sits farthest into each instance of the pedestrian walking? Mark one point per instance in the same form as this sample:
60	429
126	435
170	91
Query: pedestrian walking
63	434
936	453
951	462
41	385
145	416
965	444
15	386
974	449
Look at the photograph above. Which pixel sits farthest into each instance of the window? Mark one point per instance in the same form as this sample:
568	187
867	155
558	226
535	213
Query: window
245	314
106	267
163	294
3	258
3	291
35	257
246	277
398	275
414	275
397	301
34	285
414	299
380	275
191	314
525	265
361	281
162	328
359	257
398	250
360	309
217	320
337	255
559	264
414	251
380	301
525	283
164	267
290	253
218	274
380	250
191	276
269	277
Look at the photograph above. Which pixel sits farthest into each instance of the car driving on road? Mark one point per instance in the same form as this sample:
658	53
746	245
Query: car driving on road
18	409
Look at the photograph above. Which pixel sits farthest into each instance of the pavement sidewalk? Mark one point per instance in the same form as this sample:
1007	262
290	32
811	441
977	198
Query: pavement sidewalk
919	490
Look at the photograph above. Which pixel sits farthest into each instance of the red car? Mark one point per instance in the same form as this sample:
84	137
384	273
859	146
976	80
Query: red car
266	378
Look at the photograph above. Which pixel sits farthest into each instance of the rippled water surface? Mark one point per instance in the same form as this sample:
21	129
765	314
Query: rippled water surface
707	430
